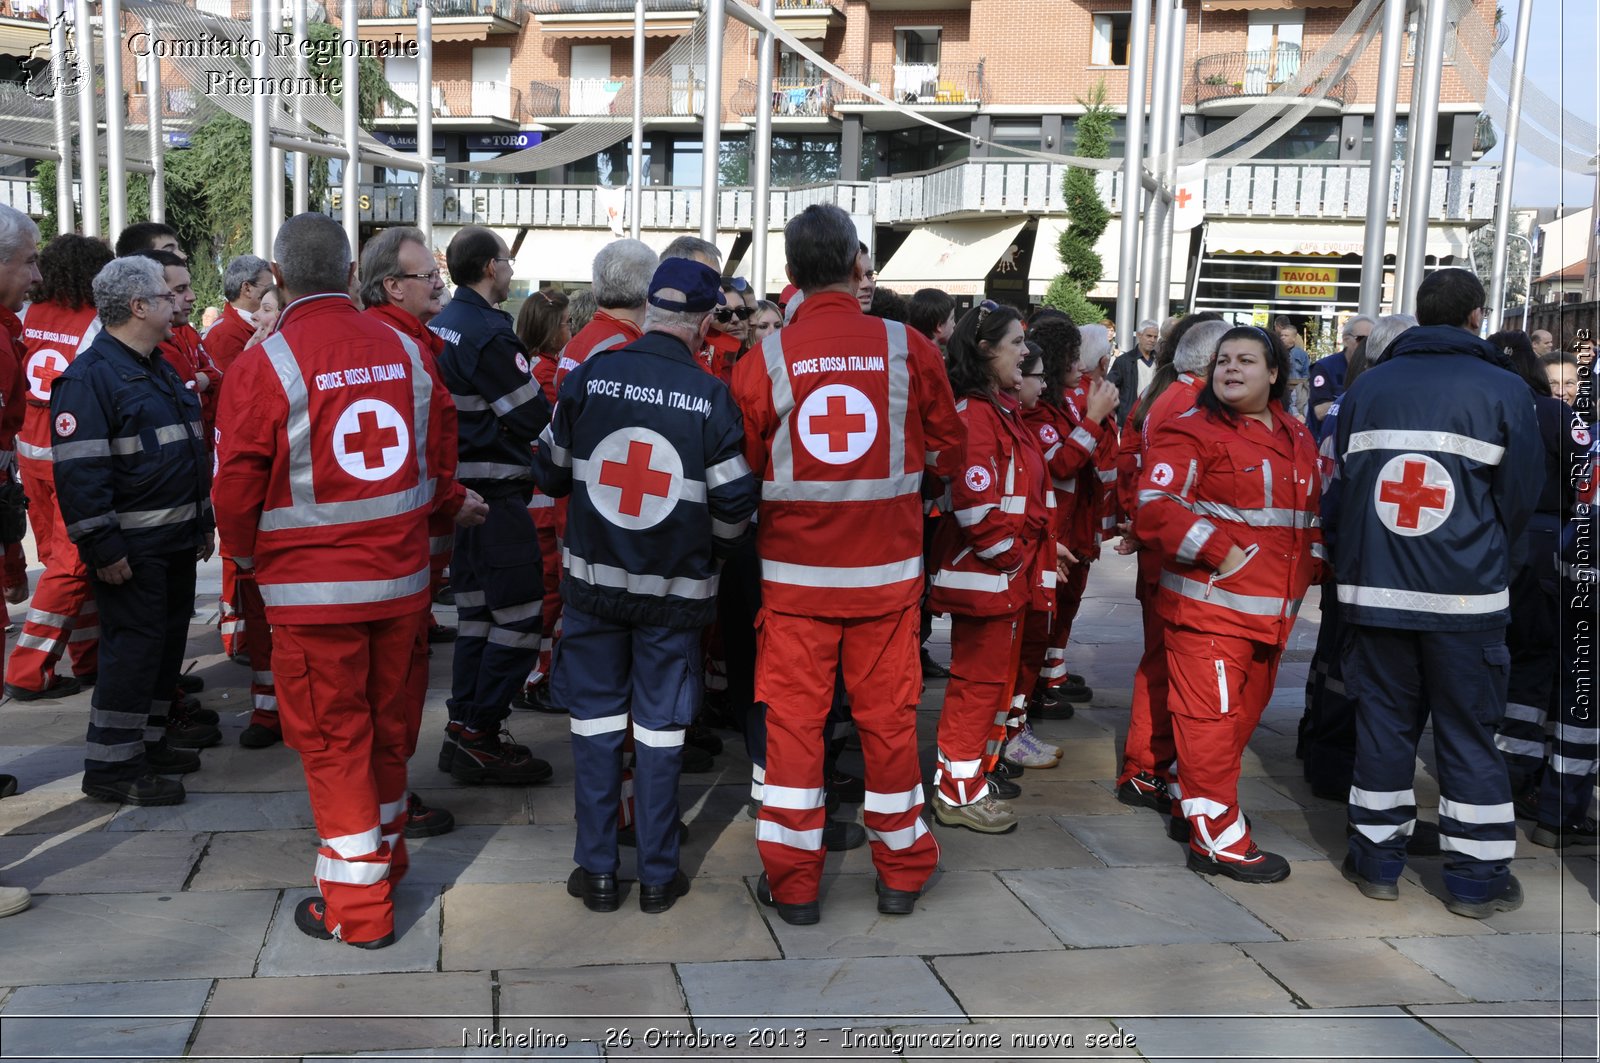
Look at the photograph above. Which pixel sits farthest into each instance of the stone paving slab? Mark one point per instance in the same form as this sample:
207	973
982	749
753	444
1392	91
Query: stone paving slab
56	767
583	1002
470	855
1349	972
1510	966
1125	841
1559	893
258	860
1086	908
152	1019
52	811
290	952
497	926
1138	980
96	861
102	937
1518	1029
1037	842
480	805
1386	1034
219	812
329	1014
815	993
230	768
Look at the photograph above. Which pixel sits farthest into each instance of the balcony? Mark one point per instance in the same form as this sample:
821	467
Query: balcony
664	97
799	98
1338	191
810	19
24	25
921	84
1228	82
457	103
453	20
608	19
21	194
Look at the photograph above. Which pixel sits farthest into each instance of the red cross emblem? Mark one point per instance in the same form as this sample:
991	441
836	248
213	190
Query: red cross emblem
66	424
635	478
1182	198
43	368
1415	494
837	423
370	440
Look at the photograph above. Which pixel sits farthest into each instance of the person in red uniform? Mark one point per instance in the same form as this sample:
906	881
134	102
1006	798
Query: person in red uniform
843	414
59	324
1229	500
622	272
332	443
996	559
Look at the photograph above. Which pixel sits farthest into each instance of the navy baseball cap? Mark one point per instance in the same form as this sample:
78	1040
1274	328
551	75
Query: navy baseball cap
683	284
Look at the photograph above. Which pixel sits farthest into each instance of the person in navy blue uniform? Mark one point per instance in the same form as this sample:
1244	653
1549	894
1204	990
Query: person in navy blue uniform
1442	466
648	445
133	478
1328	374
495	572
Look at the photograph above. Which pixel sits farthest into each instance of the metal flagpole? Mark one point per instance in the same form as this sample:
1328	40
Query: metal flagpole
425	121
261	231
302	161
116	119
711	134
275	158
1408	156
351	92
1429	68
1508	170
1160	74
1166	211
636	178
1380	168
761	160
66	213
88	124
158	135
1132	156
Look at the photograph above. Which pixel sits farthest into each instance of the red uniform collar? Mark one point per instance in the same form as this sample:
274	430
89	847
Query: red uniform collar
633	331
11	324
824	301
407	323
309	307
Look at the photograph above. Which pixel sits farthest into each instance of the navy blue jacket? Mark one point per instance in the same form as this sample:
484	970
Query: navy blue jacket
133	476
648	444
1441	465
500	408
1327	384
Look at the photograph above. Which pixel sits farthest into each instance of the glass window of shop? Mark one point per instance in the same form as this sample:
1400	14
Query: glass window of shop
1114	149
1312	140
915	150
796	160
609	168
1018	133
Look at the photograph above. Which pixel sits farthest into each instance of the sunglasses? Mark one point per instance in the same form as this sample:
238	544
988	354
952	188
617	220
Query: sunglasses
728	313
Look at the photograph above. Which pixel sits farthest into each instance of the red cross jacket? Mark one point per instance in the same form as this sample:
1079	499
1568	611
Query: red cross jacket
54	335
13	385
226	338
188	357
1094	496
1210	485
602	333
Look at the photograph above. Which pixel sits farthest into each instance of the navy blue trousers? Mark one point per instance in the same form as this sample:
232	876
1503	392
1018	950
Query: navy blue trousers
1328	738
499	588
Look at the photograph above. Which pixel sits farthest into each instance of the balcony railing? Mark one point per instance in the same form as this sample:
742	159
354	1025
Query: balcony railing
510	10
605	7
664	97
1230	75
922	84
459	99
21	194
791	98
177	104
28	10
1339	191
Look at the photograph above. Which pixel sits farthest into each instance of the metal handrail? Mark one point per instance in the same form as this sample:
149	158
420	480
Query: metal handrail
1259	72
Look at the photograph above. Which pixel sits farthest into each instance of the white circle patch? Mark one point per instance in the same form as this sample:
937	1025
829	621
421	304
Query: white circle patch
1414	494
522	363
978	478
837	424
1161	475
43	368
635	478
66	424
1048	433
1318	380
1580	435
371	440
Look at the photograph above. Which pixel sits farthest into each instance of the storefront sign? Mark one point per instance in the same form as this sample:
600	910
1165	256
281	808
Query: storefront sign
1307	282
502	141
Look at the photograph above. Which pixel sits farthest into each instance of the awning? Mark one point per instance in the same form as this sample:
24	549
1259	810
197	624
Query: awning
1298	239
956	256
21	39
1047	263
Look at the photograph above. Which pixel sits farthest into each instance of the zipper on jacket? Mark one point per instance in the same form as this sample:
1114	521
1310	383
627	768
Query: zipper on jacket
1222	685
1249	555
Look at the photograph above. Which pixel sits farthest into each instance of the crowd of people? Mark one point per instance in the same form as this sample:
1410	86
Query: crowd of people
663	507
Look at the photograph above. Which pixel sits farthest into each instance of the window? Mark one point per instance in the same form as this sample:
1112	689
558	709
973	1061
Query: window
1116	146
915	150
1111	33
1314	139
686	164
1022	134
916	64
1414	39
609	168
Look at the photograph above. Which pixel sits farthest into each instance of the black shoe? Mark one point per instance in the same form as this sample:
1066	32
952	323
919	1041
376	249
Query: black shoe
309	915
87	679
1146	791
257	736
441	633
839	835
1002	787
145	790
1526	805
932	669
165	759
542	701
806	913
1009	768
1047	708
629	837
197	713
446	595
191	684
1179	829
1074	689
8	785
700	736
186	735
657	899
1373	891
61	686
696	761
241	658
1256	867
850	789
598	892
425	822
1510	900
896	902
1559	837
486	759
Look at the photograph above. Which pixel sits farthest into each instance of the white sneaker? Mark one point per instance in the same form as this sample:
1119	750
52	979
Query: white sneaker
1049	747
13	899
1028	754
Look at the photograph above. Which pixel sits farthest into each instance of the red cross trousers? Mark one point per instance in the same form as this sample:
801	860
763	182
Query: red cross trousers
837	424
1414	494
634	477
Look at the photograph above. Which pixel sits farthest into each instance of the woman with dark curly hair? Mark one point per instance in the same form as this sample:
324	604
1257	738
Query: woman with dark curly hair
1229	500
996	552
56	326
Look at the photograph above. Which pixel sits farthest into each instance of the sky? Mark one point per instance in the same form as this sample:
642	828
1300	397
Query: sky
1564	61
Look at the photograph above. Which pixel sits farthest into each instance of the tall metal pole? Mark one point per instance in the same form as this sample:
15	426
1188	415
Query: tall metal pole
158	134
636	179
1508	168
761	159
302	161
1165	210
1409	157
350	96
66	212
276	158
1132	186
1424	134
116	119
88	123
711	135
1160	73
1380	168
425	121
261	231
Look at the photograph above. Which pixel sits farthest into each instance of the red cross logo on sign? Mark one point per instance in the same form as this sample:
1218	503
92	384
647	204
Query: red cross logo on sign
635	478
1414	495
43	368
371	440
837	424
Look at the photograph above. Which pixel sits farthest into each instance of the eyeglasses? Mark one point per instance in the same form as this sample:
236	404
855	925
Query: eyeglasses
1034	376
728	313
502	258
429	277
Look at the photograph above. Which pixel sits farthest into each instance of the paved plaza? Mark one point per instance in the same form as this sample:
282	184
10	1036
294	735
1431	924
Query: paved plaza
163	933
